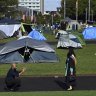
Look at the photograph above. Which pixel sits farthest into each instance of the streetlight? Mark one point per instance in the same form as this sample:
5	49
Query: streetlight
92	15
76	10
64	9
86	15
52	19
89	11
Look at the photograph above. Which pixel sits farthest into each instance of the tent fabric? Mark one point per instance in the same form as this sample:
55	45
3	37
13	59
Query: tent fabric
67	40
39	51
89	33
9	30
13	57
9	21
71	24
40	56
2	35
82	41
17	44
36	35
22	37
67	19
26	27
59	33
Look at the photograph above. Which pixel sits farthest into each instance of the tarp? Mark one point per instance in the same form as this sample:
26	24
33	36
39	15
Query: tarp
89	33
36	35
40	51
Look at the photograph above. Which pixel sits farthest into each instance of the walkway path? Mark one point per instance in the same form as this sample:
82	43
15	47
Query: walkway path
52	83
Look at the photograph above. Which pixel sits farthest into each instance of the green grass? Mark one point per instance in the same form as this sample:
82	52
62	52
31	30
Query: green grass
5	40
50	93
86	59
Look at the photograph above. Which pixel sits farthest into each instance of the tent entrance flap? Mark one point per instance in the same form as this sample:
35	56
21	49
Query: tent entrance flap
25	52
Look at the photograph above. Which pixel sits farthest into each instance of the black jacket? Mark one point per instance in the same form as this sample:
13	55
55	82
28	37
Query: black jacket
12	74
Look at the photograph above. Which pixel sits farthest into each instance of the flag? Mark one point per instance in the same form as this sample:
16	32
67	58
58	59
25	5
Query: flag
34	18
31	18
23	17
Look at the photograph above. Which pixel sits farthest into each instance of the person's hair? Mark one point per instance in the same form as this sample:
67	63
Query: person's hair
71	51
63	25
13	65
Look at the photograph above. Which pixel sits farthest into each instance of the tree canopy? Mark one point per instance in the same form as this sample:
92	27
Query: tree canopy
7	6
82	6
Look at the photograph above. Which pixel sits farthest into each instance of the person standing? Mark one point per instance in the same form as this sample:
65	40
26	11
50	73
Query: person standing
70	69
12	79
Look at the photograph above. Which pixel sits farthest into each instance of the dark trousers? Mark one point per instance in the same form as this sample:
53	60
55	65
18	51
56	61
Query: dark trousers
13	84
70	80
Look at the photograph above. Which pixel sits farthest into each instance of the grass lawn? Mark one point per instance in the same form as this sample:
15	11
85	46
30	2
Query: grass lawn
50	93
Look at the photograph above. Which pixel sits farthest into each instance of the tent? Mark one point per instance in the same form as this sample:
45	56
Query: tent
67	19
2	35
9	30
8	21
22	37
82	41
67	40
72	25
36	35
39	51
9	26
89	33
26	27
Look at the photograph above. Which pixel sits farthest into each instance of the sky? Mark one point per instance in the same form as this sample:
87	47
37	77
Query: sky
51	5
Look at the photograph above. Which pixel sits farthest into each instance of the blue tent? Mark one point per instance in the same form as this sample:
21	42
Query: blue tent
89	33
36	35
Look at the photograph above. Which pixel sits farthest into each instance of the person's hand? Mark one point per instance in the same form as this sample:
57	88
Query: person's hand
23	70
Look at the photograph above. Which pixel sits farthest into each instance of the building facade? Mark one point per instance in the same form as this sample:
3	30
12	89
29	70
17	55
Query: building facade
35	5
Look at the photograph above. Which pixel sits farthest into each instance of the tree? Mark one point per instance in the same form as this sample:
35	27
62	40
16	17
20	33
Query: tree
7	6
40	18
82	5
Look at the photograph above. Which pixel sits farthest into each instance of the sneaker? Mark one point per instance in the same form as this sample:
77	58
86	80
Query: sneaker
8	89
11	89
70	88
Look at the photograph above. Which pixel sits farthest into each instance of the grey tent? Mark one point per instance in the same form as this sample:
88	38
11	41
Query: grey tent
2	35
39	52
67	40
71	24
8	21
